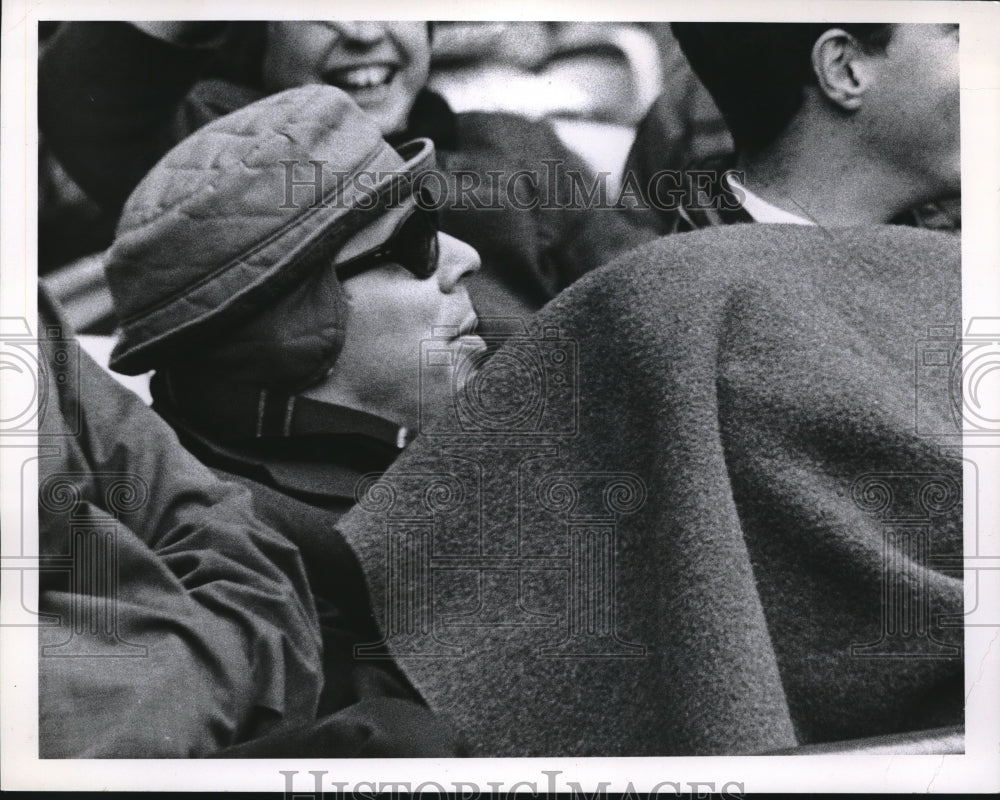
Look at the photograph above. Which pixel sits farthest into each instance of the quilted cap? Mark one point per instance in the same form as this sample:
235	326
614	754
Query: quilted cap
240	216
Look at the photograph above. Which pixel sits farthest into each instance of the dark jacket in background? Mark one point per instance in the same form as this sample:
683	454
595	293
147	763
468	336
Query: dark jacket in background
736	529
112	101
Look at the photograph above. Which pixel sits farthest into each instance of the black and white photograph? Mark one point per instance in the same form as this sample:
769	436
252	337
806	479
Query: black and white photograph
548	397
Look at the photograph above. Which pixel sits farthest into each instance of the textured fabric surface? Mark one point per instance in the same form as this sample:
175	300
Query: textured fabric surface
732	538
184	624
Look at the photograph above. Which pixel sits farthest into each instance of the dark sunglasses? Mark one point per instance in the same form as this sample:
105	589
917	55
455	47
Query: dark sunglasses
414	246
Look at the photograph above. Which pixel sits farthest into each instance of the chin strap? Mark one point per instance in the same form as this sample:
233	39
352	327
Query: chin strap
237	411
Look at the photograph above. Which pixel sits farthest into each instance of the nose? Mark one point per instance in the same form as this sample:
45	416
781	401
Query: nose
456	259
361	33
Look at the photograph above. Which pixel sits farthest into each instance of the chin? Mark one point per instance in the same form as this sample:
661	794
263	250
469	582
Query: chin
948	188
939	186
951	180
391	121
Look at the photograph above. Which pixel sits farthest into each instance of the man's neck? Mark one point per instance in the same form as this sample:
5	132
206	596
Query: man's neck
826	183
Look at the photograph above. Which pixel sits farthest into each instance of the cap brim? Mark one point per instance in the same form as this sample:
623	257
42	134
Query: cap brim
419	158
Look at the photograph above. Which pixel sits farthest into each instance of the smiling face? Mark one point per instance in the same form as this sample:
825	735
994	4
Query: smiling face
389	313
381	65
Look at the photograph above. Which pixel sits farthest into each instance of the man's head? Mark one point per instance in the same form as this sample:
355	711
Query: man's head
381	65
889	93
283	247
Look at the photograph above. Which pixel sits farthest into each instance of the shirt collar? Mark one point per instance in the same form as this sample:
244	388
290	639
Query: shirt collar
763	211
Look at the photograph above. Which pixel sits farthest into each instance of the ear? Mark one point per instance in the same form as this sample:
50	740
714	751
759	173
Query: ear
842	68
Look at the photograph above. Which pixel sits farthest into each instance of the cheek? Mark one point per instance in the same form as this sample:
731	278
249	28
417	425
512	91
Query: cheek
399	321
397	371
416	48
950	97
420	66
292	57
935	98
938	124
920	115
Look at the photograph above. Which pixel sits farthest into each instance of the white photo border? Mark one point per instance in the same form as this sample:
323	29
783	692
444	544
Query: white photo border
978	770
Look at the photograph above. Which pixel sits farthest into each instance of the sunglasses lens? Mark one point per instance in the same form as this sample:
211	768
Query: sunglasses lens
414	247
433	255
418	244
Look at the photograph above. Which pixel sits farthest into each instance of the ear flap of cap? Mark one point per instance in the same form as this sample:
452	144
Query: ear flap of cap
290	343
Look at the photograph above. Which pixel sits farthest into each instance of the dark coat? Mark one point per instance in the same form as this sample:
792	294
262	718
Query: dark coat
368	708
301	488
205	593
321	469
724	523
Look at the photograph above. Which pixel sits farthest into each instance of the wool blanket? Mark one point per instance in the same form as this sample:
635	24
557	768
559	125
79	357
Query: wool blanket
709	504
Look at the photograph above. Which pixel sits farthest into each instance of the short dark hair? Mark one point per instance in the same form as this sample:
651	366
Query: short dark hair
756	72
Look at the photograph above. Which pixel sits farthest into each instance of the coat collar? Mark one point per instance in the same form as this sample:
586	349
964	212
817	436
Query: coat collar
320	458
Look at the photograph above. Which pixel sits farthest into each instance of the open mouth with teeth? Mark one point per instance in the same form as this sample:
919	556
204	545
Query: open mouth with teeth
361	78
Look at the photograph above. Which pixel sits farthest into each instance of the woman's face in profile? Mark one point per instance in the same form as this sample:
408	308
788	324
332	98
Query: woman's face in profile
389	314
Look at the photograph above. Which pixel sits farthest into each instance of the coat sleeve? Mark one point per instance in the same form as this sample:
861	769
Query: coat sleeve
183	623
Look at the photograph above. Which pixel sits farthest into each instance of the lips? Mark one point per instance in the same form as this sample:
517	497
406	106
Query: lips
464	329
468	325
361	77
